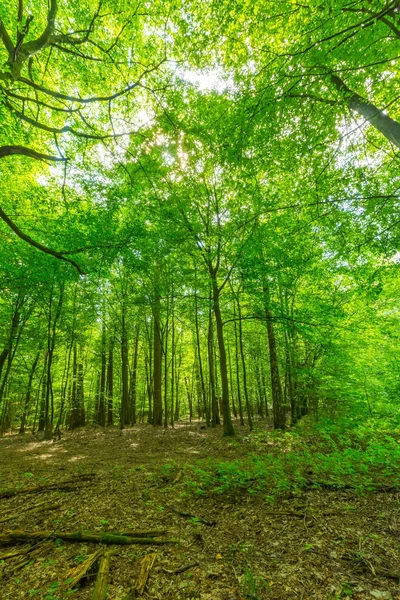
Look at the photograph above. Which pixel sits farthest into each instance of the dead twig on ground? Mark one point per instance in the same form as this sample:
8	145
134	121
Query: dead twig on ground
182	569
187	515
67	485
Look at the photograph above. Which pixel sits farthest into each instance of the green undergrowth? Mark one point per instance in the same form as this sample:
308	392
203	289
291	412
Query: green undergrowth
364	456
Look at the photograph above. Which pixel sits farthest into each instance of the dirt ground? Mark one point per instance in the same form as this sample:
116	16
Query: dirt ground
317	545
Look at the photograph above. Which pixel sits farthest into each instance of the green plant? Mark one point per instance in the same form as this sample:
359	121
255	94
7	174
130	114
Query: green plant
80	558
365	457
251	585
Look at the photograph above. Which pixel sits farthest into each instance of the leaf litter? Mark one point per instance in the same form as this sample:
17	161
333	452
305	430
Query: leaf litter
315	544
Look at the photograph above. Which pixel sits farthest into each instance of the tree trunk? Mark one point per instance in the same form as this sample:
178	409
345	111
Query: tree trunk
110	382
73	417
276	388
165	349
52	331
64	387
227	420
28	393
157	364
101	418
173	351
200	363
211	369
375	116
239	394
133	386
244	370
125	375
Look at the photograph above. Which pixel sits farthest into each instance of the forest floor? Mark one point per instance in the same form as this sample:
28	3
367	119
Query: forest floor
314	544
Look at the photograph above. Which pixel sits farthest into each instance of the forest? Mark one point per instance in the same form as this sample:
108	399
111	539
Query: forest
199	299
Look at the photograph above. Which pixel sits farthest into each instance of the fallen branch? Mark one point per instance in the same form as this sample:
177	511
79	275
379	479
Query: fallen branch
301	515
145	568
182	569
67	485
30	555
194	517
137	533
77	573
101	585
374	569
10	537
14	553
41	507
387	573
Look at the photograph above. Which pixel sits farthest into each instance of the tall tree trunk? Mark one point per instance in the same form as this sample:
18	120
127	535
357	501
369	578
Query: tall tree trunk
64	387
259	387
244	370
165	352
49	408
110	382
177	386
264	388
28	393
157	364
133	385
173	350
80	392
189	397
227	420
200	363
101	418
276	388
239	394
148	367
232	387
125	371
73	417
15	320
42	406
211	371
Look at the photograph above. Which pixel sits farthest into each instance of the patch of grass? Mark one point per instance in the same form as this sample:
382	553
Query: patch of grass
252	585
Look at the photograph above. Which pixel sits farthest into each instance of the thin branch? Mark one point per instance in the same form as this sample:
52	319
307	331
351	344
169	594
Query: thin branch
365	23
61	96
40	103
66	128
312	97
7	151
389	24
37	245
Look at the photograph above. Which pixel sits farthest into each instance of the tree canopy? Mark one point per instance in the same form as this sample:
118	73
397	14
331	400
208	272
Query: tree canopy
199	211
